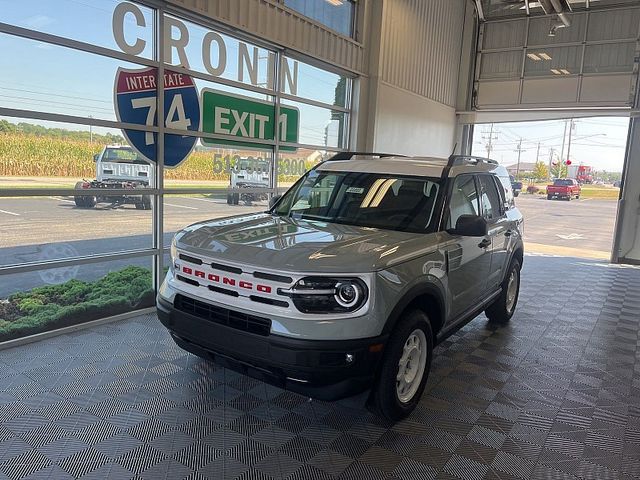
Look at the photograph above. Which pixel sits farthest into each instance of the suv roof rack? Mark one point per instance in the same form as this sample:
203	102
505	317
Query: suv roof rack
350	155
469	159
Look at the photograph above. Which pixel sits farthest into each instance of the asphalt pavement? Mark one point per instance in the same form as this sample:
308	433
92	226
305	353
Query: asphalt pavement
46	228
583	225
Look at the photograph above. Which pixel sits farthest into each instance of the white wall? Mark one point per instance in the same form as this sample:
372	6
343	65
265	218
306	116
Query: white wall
410	124
407	102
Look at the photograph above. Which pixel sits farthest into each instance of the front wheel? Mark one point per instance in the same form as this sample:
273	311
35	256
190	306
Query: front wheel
501	310
549	197
405	367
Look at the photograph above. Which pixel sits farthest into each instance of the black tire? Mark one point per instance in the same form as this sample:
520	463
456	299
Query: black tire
569	198
499	312
79	200
146	202
516	193
385	400
229	199
549	197
235	199
90	202
577	197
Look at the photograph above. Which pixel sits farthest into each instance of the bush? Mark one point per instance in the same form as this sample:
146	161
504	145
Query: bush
532	189
74	302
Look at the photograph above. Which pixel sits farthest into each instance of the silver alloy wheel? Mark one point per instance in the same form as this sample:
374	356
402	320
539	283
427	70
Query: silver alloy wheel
411	365
512	290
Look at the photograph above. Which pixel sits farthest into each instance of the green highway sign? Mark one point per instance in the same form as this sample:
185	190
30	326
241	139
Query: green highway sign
243	117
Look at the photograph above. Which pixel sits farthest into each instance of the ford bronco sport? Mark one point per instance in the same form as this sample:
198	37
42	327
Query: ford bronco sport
351	277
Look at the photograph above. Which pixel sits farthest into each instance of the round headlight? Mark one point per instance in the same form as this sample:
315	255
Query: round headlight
348	294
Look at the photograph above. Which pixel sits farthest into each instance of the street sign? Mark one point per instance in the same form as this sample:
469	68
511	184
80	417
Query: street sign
136	102
243	117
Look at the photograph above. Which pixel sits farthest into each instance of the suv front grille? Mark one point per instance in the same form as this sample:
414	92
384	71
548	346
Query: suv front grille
223	316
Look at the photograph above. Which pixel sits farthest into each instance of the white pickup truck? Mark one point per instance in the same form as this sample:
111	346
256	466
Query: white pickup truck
118	167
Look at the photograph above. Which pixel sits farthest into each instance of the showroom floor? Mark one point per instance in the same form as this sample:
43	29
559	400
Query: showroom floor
556	394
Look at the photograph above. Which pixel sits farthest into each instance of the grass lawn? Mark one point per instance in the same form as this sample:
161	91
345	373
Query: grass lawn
603	192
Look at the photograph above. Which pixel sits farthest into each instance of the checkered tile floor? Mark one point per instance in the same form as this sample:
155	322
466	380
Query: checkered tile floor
556	394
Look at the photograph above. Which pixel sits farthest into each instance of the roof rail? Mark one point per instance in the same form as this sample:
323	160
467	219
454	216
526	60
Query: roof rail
469	159
350	155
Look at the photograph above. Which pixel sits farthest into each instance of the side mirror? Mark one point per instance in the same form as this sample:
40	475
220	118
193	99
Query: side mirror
275	199
96	157
470	226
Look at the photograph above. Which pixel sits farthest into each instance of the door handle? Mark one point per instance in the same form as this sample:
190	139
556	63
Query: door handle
484	243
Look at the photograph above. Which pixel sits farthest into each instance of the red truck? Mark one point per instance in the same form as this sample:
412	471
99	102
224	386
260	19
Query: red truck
564	188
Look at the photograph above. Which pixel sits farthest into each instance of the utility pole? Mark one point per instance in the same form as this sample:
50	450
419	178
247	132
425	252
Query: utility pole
489	145
538	153
519	150
564	135
91	131
550	160
572	125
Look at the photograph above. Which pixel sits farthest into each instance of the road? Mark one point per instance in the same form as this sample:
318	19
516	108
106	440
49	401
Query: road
47	228
584	225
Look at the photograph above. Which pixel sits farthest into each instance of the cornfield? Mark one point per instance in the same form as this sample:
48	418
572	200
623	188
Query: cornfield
28	155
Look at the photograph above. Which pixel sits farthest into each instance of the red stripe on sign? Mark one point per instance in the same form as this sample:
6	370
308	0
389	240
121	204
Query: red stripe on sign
145	80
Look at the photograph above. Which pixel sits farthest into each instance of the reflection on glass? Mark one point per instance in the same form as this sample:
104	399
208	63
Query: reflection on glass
43	300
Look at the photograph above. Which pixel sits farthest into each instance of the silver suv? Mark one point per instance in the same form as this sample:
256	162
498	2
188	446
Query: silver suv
351	277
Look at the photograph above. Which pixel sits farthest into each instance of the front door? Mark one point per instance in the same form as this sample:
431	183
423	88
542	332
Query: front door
468	258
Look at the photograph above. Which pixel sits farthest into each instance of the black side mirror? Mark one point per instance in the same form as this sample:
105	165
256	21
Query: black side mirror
275	199
470	226
96	157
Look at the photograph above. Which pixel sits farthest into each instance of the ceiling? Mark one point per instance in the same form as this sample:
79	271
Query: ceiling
509	8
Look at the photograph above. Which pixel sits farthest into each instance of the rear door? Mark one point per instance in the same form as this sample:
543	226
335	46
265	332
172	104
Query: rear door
493	210
468	258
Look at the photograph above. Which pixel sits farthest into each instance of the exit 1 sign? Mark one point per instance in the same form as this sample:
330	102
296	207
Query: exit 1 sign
243	117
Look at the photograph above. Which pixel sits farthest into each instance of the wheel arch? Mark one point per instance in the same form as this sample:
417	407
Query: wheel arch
425	297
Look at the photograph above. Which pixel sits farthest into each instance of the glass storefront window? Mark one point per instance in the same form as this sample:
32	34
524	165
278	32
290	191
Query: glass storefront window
52	298
86	21
314	83
335	14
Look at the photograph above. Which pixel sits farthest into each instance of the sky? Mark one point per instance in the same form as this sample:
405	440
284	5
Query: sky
599	141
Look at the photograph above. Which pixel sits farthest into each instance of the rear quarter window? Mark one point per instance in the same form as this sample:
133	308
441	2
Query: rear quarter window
506	191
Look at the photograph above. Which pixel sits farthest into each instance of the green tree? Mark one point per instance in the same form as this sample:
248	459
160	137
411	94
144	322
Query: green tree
559	170
541	172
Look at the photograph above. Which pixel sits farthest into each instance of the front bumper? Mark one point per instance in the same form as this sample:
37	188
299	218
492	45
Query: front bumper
316	368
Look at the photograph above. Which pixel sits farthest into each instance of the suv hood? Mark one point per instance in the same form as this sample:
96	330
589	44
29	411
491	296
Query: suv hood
282	243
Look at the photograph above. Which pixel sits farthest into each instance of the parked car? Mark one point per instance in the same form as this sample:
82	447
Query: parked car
617	183
352	276
567	188
516	186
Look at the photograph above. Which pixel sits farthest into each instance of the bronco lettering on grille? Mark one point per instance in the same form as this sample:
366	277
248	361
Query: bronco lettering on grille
212	277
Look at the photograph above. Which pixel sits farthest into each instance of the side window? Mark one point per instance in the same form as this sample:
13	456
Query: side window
490	199
464	199
507	190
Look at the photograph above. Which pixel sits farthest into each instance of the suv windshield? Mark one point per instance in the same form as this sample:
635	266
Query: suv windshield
562	182
121	155
364	199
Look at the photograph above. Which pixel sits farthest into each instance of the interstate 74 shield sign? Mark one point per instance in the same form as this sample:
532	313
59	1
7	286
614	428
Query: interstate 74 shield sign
135	102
